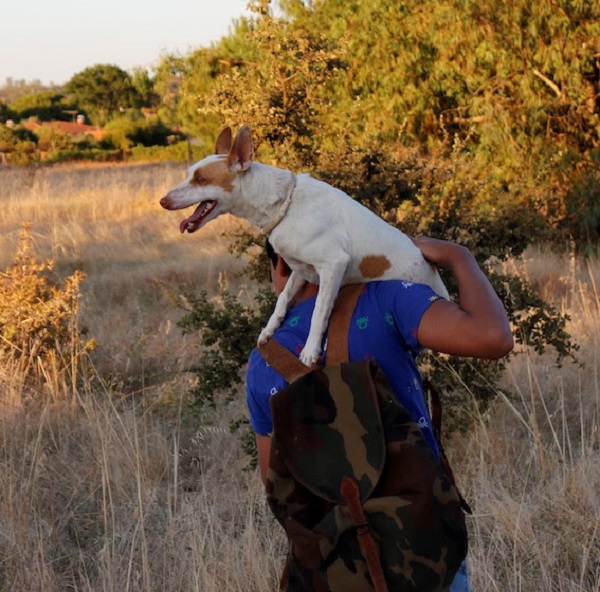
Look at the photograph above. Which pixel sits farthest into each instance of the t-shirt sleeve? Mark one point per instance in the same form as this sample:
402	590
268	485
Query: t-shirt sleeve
262	382
408	302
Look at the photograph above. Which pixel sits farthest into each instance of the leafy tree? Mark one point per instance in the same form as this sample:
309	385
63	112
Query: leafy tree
281	90
103	90
144	85
128	130
182	81
447	118
6	113
515	86
45	106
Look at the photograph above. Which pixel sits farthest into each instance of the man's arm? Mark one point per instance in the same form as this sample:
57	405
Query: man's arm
476	326
263	447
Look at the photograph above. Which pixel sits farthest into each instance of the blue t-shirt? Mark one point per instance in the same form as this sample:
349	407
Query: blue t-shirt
383	327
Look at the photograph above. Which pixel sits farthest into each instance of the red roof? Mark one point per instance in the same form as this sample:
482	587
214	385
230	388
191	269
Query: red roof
67	127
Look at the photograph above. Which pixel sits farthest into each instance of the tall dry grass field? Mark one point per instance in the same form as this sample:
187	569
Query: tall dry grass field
112	486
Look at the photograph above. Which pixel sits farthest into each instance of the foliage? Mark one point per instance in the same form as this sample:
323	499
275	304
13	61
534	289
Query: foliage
181	81
45	106
17	145
227	331
144	85
103	90
51	138
16	139
82	154
127	131
580	184
515	87
286	81
177	152
38	317
6	113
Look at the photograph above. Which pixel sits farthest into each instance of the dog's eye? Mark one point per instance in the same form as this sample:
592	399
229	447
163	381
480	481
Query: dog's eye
198	178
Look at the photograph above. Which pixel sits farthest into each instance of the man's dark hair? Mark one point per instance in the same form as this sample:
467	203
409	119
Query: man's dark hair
273	256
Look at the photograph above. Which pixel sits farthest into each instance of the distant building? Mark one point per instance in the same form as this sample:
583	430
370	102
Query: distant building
73	129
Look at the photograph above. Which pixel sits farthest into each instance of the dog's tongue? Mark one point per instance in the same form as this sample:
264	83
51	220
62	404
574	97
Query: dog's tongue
193	222
183	225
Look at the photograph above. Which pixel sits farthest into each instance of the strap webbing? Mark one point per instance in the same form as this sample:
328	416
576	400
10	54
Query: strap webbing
290	367
368	545
339	325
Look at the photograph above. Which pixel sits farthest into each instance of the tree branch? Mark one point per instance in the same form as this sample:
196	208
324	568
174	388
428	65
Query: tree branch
549	82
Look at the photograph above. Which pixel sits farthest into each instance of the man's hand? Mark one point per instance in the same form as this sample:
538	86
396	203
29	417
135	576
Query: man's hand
441	252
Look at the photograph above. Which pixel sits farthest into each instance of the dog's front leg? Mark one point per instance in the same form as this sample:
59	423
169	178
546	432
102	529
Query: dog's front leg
330	281
292	287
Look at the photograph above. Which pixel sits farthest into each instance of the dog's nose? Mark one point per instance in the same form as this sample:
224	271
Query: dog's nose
165	202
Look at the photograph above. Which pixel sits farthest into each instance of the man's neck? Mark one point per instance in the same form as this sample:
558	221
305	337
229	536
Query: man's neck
308	291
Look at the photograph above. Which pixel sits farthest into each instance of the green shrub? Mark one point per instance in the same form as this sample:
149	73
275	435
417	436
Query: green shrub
227	331
179	152
38	316
46	106
440	197
128	131
85	154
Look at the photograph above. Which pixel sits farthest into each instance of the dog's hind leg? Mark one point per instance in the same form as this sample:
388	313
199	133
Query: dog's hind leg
292	287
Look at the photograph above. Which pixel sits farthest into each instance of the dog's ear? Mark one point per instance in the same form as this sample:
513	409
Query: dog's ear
240	155
223	145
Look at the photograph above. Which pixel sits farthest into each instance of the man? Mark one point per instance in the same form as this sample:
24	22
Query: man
392	322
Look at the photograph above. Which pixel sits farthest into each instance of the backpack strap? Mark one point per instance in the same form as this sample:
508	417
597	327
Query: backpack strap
290	367
339	324
283	360
436	420
368	546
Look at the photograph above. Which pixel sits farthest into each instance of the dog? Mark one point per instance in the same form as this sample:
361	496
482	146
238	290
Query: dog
325	236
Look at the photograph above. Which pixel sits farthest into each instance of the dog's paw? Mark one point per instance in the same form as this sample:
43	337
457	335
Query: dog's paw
273	324
309	358
312	351
264	336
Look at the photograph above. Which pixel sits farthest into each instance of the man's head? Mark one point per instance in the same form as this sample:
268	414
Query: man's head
280	270
280	274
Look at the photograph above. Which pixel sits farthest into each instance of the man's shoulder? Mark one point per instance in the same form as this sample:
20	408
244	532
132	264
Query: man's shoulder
385	290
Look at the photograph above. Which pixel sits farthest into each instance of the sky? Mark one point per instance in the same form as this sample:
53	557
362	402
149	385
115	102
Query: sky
52	40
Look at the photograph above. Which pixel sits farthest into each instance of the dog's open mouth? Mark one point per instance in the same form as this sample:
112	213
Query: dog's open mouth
194	222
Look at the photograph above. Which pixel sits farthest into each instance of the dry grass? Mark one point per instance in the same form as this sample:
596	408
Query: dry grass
106	222
106	492
532	465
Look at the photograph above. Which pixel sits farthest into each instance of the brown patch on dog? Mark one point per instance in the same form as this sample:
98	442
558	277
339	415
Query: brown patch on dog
374	266
214	173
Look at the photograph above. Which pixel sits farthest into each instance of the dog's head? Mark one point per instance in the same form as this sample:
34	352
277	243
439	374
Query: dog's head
211	182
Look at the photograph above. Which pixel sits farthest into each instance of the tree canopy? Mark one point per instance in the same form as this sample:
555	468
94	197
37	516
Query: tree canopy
103	90
509	92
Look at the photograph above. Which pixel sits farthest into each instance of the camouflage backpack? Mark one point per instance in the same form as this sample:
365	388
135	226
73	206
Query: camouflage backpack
364	501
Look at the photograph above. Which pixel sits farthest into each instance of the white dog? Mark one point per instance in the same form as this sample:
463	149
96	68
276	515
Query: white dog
324	235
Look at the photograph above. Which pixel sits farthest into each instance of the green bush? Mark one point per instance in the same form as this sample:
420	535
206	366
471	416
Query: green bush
38	315
227	331
179	152
45	106
83	154
128	131
439	197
